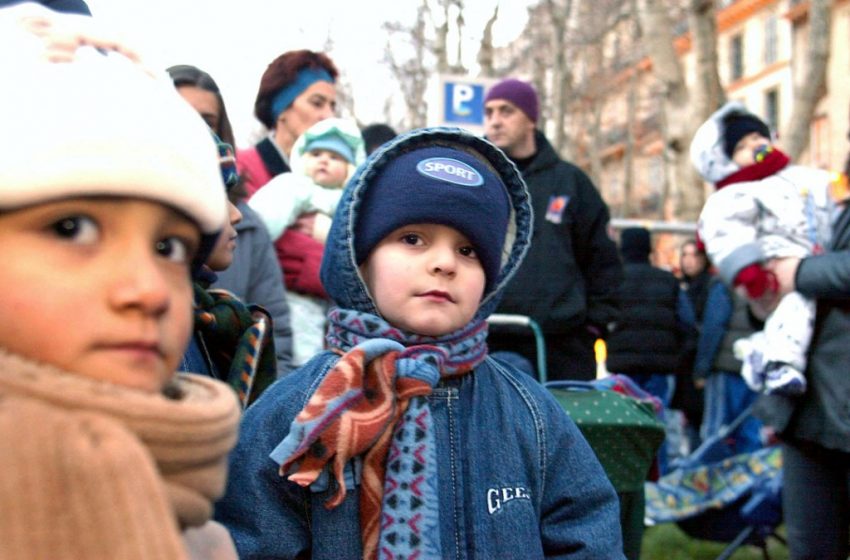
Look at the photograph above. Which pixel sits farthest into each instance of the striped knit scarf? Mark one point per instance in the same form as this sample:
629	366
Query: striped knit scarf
372	404
239	340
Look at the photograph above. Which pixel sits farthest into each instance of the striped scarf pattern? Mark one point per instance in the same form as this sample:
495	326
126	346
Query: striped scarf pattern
373	404
239	339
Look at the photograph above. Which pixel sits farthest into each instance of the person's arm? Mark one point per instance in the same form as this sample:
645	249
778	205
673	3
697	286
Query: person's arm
267	516
718	312
280	202
687	331
685	312
825	276
579	507
301	258
728	227
597	255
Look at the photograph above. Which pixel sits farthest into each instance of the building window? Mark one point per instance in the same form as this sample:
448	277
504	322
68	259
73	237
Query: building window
770	40
771	108
736	57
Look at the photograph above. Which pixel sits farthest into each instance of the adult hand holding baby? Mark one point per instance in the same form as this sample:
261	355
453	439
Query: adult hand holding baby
785	272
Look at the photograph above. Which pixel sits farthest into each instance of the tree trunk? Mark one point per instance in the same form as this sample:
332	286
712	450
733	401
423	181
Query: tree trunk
441	42
458	67
629	151
707	95
631	118
485	52
596	145
809	89
686	187
560	73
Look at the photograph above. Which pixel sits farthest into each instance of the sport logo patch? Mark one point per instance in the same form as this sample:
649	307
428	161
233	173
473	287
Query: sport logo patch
451	171
555	210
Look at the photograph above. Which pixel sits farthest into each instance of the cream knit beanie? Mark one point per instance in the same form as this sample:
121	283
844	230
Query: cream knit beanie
81	116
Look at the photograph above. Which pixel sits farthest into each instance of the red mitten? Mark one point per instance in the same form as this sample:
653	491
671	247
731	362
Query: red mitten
756	280
300	257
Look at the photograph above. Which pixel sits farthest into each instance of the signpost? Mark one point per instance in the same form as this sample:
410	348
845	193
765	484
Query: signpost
462	102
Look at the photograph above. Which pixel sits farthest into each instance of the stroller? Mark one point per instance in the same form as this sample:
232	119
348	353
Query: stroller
619	421
712	495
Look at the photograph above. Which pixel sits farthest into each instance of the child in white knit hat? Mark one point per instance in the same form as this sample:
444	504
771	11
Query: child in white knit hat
109	189
322	160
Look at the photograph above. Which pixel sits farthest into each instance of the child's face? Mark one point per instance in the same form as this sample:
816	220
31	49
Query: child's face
99	287
221	256
326	168
745	149
425	279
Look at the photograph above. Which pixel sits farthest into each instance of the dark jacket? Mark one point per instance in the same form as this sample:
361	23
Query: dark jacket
822	414
648	338
572	271
726	319
255	277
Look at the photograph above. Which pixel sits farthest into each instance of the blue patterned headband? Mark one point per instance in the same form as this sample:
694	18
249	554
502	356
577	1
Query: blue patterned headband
304	79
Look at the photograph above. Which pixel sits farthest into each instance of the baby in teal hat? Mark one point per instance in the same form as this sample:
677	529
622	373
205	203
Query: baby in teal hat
322	160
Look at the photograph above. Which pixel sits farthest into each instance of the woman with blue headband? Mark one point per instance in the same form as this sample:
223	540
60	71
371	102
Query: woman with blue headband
297	90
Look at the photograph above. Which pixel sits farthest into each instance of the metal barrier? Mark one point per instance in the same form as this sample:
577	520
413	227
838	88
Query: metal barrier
655	225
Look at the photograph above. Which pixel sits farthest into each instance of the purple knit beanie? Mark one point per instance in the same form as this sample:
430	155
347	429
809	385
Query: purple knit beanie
517	92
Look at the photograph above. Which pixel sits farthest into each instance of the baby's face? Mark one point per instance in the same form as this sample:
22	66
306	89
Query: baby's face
746	148
99	287
326	168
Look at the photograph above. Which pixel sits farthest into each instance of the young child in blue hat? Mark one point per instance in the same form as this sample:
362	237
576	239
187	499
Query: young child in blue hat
405	439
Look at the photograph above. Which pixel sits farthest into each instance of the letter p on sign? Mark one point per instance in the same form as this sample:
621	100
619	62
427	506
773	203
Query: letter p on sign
463	103
463	94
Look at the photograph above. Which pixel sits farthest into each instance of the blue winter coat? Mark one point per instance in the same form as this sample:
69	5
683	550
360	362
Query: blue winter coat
517	478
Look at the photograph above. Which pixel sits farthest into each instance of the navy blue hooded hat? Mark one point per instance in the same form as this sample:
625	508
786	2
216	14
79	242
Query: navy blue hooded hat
438	175
442	185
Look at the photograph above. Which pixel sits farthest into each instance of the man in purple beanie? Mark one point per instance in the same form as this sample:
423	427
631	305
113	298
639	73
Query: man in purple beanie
570	277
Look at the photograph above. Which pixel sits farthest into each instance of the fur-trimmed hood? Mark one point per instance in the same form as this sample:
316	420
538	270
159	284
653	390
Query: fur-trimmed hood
707	154
339	272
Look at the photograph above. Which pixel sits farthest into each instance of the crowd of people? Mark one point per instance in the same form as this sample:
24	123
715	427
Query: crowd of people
283	351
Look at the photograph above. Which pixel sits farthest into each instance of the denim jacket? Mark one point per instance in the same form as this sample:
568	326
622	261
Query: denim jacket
517	478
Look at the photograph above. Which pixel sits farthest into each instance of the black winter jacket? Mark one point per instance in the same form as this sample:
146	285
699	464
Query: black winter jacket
649	336
572	271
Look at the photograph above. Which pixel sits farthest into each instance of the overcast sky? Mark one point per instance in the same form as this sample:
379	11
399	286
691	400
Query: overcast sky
235	40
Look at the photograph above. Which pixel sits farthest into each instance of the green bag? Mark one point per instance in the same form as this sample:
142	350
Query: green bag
623	432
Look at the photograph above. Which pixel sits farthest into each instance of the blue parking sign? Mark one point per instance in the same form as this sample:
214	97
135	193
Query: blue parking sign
464	103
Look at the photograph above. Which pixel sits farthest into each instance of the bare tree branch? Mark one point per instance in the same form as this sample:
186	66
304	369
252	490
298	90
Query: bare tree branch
485	51
809	89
